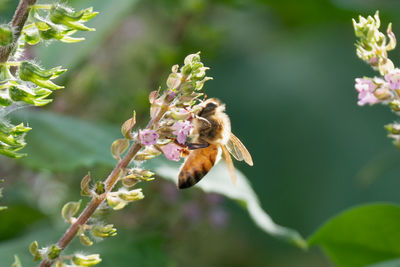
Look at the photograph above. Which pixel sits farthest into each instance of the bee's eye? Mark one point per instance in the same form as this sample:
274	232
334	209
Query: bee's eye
208	109
210	106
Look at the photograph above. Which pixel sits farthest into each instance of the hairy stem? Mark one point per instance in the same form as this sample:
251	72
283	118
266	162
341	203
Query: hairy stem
109	184
20	16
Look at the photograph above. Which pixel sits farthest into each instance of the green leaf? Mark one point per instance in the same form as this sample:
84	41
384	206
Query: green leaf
62	143
218	181
362	235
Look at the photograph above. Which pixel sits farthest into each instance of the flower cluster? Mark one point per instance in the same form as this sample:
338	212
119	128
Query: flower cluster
372	47
177	106
25	82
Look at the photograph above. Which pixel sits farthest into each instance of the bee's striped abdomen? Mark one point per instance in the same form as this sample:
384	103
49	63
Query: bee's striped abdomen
197	165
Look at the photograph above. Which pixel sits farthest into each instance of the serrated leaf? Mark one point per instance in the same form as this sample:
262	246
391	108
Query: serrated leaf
361	235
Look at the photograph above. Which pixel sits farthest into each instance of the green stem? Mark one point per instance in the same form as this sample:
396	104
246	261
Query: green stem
20	16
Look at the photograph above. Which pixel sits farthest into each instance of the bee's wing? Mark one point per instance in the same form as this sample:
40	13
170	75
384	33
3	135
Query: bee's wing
229	162
238	150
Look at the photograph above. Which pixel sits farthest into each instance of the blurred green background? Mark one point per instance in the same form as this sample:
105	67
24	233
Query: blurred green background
285	70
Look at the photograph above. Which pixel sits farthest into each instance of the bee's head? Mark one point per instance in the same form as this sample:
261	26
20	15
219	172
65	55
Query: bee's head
211	106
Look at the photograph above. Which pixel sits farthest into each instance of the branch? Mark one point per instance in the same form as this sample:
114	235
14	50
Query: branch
98	199
20	16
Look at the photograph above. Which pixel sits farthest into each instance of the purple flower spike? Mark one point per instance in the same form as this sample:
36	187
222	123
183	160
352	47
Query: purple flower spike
365	88
182	130
393	78
148	137
171	151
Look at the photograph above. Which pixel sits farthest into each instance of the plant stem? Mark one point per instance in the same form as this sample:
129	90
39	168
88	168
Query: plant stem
109	184
20	16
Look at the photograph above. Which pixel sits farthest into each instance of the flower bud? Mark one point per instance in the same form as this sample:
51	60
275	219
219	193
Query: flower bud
5	74
135	175
19	129
175	68
86	260
174	80
393	128
85	240
132	195
115	202
180	114
53	252
382	93
6	35
103	231
192	58
29	95
32	35
70	18
392	38
49	31
99	188
41	77
60	264
70	209
148	153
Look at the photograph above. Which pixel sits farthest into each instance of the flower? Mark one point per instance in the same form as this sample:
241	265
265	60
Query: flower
393	77
181	130
148	137
171	95
180	113
171	151
365	88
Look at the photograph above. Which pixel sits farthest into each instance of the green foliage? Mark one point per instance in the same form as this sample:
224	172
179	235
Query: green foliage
66	143
32	84
362	235
16	219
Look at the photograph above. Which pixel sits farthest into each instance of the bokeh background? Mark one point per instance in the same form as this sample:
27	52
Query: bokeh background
285	70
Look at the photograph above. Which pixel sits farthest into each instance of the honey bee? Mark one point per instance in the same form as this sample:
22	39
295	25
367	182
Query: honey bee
212	131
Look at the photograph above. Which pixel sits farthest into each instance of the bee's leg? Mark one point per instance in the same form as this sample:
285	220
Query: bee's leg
193	146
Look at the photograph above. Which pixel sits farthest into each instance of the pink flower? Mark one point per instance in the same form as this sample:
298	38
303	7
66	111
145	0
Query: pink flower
365	88
170	95
171	151
393	77
148	137
181	130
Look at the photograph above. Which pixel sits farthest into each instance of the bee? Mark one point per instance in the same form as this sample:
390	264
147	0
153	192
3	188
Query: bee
212	135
